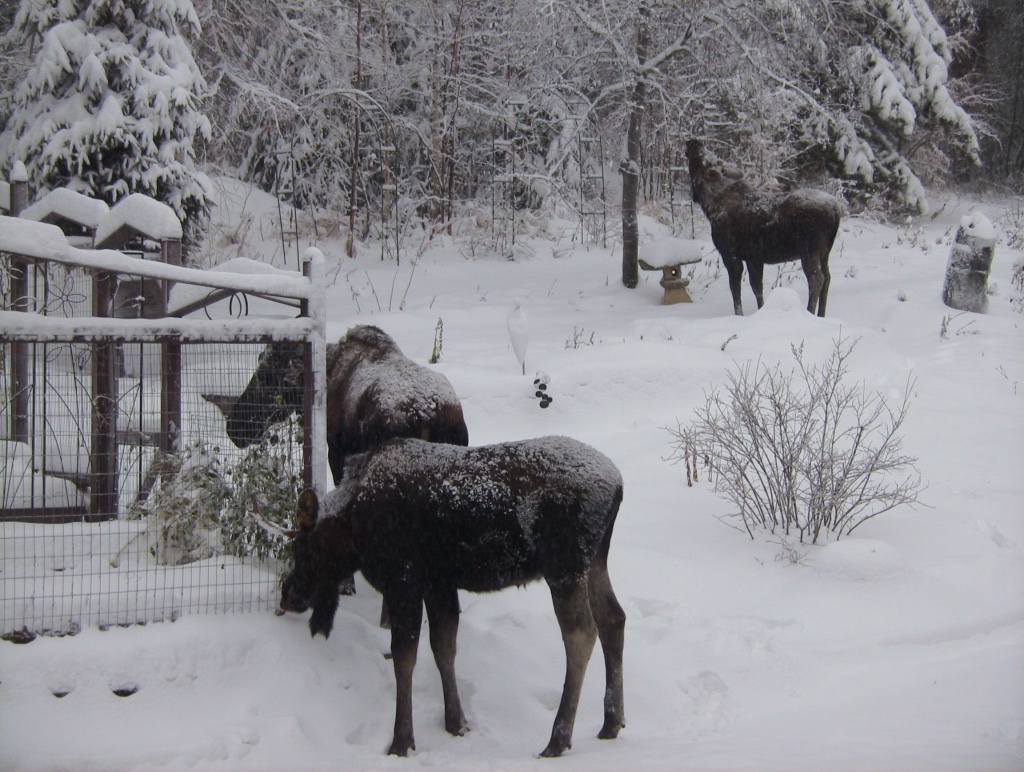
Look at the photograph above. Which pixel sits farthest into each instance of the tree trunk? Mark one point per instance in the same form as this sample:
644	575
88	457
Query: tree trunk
445	97
354	183
630	167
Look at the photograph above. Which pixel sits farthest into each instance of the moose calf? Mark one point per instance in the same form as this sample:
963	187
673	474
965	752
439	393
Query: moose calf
422	521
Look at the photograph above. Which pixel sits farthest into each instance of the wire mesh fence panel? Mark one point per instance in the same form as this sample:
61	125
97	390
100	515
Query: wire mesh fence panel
179	535
123	499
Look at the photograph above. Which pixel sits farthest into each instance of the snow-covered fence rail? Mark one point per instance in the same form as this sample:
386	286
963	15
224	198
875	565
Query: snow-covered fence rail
80	540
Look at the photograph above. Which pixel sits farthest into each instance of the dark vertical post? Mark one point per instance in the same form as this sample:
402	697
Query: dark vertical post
631	165
308	392
103	494
170	364
20	302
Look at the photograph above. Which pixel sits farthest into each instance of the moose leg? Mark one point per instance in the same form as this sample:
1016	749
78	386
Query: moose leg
572	608
406	619
755	269
443	617
815	283
734	267
325	604
823	295
611	627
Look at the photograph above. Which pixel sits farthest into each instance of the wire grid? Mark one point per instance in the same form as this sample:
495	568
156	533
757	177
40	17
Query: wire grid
65	566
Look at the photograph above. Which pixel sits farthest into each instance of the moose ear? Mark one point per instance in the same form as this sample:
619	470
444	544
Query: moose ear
307	510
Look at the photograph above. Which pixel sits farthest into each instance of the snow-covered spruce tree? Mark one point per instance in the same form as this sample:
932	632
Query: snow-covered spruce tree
14	61
793	90
903	67
111	104
861	88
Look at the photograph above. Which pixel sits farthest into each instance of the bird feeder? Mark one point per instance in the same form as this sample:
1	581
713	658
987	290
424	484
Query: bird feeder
669	255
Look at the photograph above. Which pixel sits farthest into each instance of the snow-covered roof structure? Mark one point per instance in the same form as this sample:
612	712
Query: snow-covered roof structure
137	215
47	242
65	204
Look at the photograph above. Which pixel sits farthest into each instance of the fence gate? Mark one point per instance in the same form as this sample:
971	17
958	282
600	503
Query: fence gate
122	500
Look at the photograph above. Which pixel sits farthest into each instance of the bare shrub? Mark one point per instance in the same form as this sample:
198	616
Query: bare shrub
1017	302
801	452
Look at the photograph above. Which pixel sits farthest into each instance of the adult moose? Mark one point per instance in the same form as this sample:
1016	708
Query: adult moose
422	521
748	226
374	393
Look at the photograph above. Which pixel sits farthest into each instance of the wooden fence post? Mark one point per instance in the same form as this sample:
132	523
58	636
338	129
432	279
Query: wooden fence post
103	497
314	430
20	382
170	364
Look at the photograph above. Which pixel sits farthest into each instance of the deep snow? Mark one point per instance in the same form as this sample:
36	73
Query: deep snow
898	647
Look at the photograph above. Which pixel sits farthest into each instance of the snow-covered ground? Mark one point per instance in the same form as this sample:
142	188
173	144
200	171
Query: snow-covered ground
898	647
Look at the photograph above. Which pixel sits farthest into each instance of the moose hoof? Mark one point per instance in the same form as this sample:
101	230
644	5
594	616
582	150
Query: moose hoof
321	625
457	728
401	748
554	750
609	732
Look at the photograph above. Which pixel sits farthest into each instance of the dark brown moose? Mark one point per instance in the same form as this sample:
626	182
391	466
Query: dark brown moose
374	393
422	521
748	226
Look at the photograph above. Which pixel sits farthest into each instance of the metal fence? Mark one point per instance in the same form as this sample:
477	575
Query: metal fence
122	500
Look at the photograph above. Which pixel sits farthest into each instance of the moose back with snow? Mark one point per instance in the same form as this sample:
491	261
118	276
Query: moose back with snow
757	228
374	393
422	521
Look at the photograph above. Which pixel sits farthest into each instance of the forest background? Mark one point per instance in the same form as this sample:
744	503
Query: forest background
389	118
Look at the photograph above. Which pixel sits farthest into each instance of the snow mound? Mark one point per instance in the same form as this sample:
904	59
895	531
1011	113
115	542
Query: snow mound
782	299
18	172
23	487
250	267
860	560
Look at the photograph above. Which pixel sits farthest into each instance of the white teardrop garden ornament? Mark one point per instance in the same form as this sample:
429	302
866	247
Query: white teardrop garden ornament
519	332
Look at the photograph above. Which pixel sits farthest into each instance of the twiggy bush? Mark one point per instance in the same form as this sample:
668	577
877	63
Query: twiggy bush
801	452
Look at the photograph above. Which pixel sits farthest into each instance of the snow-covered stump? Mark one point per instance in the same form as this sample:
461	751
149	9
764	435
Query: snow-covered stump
669	255
966	284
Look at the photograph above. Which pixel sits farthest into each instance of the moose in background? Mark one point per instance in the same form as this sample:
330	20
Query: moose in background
757	228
